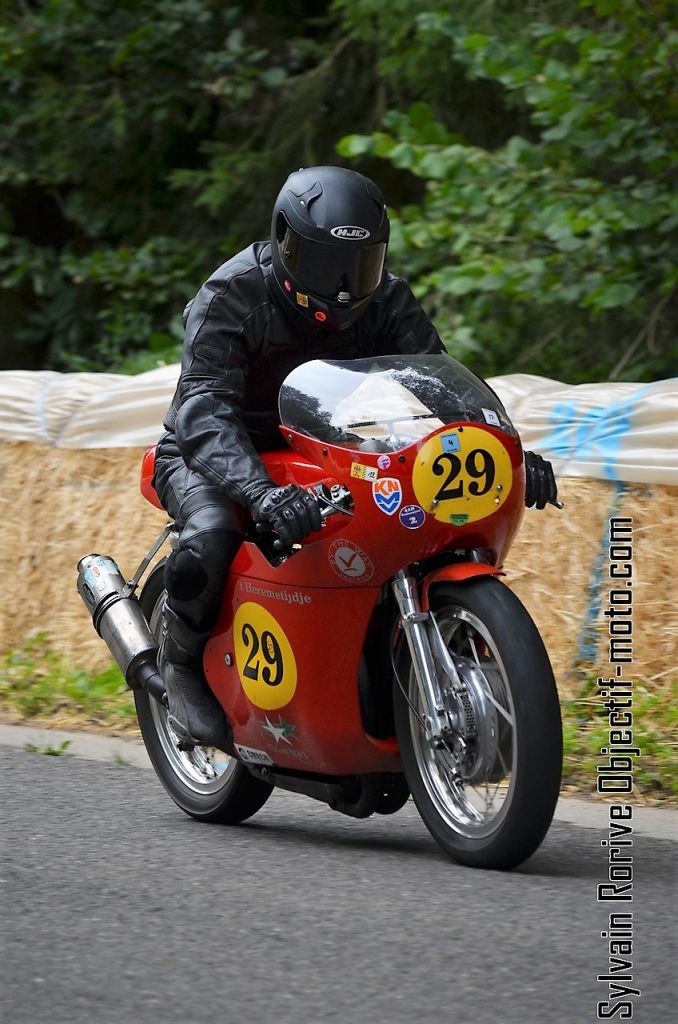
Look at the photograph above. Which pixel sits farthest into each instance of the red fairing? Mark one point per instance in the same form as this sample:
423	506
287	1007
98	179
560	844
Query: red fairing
146	484
285	656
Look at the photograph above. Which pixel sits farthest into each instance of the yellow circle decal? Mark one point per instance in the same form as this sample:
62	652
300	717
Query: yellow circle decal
266	663
462	475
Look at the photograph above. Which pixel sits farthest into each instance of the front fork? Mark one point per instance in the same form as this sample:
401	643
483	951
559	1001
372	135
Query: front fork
426	646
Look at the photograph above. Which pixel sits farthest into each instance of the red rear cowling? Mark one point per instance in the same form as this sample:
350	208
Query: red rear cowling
146	484
285	467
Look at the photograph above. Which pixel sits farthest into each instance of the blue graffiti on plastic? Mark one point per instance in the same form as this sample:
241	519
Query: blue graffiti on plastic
587	641
596	434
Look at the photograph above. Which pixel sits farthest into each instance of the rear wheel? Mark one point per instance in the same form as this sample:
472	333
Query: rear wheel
205	782
488	794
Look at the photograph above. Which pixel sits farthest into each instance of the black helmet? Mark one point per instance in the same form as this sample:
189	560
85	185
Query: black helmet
328	241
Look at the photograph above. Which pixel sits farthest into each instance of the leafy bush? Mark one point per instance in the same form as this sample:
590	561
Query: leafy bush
554	251
102	107
529	149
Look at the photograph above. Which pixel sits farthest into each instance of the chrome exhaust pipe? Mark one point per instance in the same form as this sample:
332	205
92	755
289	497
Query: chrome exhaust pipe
119	620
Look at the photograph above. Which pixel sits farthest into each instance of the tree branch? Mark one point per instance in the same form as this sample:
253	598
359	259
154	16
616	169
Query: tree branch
648	330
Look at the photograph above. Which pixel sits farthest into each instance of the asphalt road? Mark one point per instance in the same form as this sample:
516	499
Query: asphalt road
116	907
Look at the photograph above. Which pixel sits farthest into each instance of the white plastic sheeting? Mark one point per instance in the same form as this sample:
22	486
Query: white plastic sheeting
614	431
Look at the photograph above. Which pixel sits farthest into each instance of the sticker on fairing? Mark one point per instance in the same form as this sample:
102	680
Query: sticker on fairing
450	442
472	482
350	562
281	731
251	755
264	657
491	417
412	517
360	472
388	494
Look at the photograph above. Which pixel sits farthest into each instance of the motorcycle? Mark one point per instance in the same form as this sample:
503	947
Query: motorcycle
382	657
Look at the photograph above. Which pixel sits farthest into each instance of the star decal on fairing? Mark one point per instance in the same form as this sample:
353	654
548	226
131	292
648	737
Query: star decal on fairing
282	731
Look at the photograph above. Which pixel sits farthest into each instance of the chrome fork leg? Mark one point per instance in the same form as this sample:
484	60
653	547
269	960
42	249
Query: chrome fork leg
414	622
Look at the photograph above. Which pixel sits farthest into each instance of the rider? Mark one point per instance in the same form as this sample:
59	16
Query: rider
318	290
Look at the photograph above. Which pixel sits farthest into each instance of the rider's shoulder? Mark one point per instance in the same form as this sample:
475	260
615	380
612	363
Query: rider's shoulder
391	285
392	295
245	267
239	278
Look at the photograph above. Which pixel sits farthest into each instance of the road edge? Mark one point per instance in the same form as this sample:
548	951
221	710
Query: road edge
658	822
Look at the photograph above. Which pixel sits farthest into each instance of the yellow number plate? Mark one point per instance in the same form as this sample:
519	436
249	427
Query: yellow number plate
462	475
266	663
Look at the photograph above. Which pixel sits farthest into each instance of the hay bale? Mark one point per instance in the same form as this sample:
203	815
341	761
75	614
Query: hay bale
58	505
559	567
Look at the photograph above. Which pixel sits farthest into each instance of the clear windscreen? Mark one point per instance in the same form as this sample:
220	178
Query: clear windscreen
385	403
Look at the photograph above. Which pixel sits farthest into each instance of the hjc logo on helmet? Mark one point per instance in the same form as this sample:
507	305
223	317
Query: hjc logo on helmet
350	232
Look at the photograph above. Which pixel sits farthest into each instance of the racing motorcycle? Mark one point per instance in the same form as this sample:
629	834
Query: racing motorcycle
383	657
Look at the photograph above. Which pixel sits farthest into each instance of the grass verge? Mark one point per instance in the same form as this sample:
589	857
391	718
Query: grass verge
37	686
655	731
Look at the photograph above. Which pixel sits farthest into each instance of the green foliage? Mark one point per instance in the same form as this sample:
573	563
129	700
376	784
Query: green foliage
38	684
529	149
49	748
553	251
125	134
586	731
92	309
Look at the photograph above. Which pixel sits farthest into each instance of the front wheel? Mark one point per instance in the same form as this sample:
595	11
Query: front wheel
205	782
488	793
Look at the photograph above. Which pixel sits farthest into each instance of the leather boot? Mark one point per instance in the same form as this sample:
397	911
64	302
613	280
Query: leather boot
195	714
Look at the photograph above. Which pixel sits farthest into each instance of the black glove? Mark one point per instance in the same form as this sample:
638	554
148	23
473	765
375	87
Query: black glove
291	511
540	483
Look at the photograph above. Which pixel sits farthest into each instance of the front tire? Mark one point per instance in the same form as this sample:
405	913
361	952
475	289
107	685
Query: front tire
488	796
204	782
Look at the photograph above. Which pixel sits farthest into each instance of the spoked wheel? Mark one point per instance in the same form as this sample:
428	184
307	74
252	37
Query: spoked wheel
205	782
488	793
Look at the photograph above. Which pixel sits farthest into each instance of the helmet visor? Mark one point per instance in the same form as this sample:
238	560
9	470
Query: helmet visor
325	270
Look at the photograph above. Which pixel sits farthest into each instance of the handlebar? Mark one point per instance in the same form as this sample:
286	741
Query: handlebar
278	545
336	499
332	500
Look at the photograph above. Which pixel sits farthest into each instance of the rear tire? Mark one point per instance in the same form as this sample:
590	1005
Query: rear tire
204	782
488	798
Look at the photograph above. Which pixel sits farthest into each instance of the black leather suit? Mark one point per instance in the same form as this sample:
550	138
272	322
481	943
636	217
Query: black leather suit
242	339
